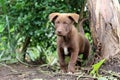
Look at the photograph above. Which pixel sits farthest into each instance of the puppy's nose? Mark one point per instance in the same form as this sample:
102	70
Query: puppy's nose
59	31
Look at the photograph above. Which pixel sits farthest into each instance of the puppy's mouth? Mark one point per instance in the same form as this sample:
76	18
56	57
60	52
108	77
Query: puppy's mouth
60	35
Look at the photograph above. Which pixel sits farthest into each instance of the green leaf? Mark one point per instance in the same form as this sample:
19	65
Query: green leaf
1	27
1	54
3	6
12	29
96	67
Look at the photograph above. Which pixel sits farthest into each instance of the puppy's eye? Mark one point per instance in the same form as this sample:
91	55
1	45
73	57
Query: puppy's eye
65	23
57	22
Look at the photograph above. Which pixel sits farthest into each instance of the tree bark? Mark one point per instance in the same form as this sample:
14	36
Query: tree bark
105	26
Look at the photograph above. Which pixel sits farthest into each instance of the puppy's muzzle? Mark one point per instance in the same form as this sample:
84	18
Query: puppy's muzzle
59	33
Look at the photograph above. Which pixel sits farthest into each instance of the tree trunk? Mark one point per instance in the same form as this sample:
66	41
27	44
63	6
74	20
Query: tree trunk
105	26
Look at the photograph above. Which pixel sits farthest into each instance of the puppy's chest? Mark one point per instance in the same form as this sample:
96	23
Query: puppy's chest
67	49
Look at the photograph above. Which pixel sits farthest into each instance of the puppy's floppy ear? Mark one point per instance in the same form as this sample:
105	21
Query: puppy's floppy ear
74	17
53	16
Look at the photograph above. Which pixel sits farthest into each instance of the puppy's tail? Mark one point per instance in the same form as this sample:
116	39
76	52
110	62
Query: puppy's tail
80	25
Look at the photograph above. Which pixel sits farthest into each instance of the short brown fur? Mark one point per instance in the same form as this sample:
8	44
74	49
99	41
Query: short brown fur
69	37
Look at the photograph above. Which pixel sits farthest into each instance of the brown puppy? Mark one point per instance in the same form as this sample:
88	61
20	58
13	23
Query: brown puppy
69	41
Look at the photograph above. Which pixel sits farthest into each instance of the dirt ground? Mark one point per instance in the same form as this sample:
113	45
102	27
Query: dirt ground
21	72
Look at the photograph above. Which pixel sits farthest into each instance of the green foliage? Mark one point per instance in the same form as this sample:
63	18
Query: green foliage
95	74
88	35
96	67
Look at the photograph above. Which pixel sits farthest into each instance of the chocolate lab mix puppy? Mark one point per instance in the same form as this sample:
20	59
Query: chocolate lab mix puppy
69	41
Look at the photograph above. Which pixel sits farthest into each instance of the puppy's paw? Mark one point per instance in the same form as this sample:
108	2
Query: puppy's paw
69	73
63	71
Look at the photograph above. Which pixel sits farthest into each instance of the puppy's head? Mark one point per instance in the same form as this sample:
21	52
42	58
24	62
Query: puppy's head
63	22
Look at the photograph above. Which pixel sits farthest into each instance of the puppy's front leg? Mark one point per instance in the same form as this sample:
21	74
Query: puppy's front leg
61	56
73	59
